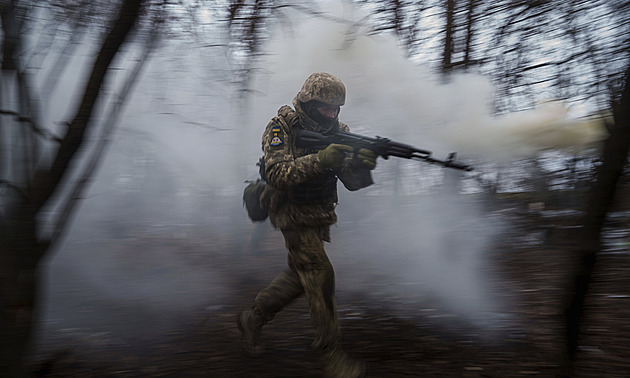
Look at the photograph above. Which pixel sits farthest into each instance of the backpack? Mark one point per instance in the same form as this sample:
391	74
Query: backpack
252	195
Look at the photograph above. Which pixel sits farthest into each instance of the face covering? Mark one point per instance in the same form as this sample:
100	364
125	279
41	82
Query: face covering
310	108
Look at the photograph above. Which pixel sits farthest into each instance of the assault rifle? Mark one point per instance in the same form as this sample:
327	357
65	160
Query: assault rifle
380	146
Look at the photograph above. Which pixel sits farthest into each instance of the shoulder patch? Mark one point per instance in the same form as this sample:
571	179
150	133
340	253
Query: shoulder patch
276	137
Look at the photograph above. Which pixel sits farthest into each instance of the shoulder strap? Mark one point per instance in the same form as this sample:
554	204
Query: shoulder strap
289	115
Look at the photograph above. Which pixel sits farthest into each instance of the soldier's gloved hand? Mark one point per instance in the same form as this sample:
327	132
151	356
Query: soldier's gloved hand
332	156
367	157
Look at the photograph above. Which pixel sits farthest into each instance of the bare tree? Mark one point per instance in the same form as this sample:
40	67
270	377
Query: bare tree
449	36
600	200
33	181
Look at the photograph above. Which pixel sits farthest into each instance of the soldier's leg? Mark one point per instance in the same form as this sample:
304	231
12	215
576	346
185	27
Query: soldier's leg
308	259
280	292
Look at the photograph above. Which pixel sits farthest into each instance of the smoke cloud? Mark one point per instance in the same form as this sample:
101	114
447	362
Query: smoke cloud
174	177
390	95
407	248
425	244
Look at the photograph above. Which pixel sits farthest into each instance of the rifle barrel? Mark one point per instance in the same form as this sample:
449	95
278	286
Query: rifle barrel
383	147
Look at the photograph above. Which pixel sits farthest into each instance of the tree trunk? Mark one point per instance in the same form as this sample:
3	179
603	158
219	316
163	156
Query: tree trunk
470	19
600	200
449	36
18	290
21	250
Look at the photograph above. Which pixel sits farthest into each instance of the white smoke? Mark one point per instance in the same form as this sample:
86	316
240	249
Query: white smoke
435	245
389	94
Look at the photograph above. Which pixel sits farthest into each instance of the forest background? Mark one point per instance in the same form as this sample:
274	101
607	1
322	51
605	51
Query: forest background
126	119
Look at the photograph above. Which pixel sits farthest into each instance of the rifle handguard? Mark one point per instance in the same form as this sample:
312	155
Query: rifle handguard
383	147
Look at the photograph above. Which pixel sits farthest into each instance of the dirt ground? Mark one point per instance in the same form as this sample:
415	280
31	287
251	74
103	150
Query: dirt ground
396	337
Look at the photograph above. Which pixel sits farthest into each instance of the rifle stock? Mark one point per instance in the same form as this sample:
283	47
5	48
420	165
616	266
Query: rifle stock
383	147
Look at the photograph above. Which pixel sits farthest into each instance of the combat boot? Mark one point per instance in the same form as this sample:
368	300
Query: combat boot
339	365
250	324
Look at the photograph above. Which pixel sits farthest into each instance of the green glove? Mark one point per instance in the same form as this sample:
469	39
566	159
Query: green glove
332	156
367	157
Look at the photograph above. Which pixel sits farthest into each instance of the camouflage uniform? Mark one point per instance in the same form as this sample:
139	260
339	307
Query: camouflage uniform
302	196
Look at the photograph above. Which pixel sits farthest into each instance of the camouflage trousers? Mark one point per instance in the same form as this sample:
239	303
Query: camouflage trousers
309	272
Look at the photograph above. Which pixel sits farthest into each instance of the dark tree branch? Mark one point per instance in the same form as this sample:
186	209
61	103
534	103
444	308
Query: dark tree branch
67	209
46	180
449	32
601	198
36	130
470	19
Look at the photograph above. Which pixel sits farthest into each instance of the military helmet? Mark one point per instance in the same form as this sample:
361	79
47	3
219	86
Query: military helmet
323	87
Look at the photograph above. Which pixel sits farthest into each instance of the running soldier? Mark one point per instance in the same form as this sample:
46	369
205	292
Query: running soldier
301	195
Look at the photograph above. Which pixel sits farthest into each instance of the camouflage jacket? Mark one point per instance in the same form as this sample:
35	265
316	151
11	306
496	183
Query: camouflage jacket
300	192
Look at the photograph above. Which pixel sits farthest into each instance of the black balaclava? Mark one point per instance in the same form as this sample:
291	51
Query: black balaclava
310	108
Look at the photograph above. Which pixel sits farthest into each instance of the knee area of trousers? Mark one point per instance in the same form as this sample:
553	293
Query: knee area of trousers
319	278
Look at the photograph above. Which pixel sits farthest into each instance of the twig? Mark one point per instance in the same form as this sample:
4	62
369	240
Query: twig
114	112
37	130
